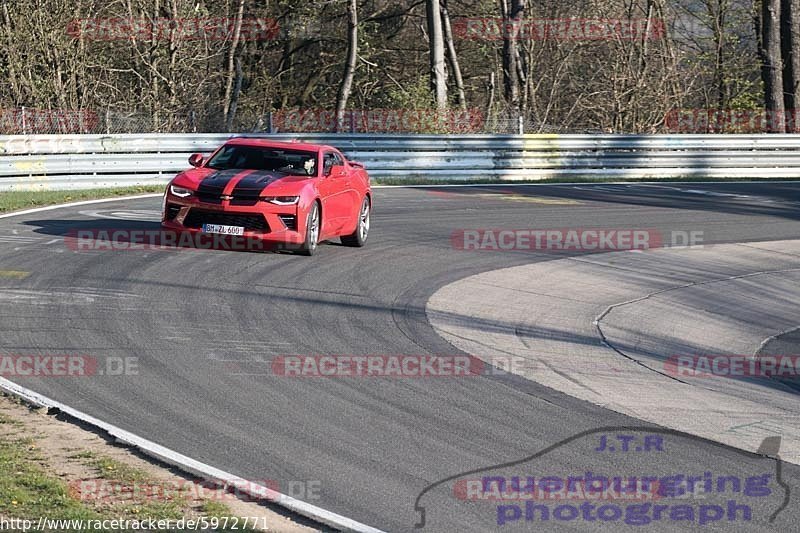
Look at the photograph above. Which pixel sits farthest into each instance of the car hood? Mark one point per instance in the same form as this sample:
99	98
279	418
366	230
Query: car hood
245	183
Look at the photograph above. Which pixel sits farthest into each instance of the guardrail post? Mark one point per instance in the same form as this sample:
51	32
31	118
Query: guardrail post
24	128
108	122
520	125
271	124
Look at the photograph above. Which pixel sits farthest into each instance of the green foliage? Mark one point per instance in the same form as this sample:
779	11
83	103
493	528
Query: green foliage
17	200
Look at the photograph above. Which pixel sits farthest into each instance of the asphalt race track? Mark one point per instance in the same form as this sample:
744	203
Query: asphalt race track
206	325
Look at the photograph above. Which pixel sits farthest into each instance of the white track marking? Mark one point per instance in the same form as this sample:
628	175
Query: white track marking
192	466
77	204
148	215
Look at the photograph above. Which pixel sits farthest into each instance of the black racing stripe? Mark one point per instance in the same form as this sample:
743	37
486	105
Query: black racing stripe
250	187
213	185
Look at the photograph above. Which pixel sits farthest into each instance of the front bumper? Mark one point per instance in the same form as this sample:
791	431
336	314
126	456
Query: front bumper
262	221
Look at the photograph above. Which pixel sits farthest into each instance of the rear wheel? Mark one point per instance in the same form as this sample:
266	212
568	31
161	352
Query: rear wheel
359	236
312	231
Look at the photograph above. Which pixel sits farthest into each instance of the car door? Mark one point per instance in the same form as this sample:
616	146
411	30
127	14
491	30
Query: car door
334	194
353	187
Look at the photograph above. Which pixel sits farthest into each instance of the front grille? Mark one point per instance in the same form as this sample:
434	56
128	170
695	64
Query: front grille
251	222
172	211
290	221
238	199
245	197
209	198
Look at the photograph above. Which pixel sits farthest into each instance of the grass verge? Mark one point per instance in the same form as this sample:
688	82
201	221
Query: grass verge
53	470
28	490
18	200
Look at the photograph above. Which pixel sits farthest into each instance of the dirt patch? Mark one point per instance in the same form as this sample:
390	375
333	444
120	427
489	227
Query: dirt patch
116	481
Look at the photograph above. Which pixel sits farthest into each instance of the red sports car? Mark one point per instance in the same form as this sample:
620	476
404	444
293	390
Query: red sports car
289	194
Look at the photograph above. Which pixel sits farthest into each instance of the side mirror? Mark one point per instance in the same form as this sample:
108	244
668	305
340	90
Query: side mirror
196	160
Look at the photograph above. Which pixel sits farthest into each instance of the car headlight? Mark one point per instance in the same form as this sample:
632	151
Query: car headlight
281	200
180	192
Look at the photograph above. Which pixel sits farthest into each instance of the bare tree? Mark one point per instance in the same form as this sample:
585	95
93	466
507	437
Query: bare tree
436	50
790	51
350	64
229	106
512	12
768	24
148	78
452	57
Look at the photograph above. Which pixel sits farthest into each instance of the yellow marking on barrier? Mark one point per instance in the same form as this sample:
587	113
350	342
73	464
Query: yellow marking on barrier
545	141
30	166
32	183
547	136
545	146
14	274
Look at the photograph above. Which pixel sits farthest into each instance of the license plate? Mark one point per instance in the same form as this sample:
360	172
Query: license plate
224	230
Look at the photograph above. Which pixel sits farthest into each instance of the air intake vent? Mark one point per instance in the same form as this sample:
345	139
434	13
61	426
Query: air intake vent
290	221
172	211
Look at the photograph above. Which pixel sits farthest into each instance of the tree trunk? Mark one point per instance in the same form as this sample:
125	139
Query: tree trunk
512	18
173	53
453	58
771	64
237	90
155	92
490	101
231	69
10	44
350	65
718	20
436	46
790	51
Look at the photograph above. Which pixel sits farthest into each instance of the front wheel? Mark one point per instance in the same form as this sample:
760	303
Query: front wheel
359	236
312	231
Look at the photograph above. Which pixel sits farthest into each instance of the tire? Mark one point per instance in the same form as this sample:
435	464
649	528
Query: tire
359	237
309	246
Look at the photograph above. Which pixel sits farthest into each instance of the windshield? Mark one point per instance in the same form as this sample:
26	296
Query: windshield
256	158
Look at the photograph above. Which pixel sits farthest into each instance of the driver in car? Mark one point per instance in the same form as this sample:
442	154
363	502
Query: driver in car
309	166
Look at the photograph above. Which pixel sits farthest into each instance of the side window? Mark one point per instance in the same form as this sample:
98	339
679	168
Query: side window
328	160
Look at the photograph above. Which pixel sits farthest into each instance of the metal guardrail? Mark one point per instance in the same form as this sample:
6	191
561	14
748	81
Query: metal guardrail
84	161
